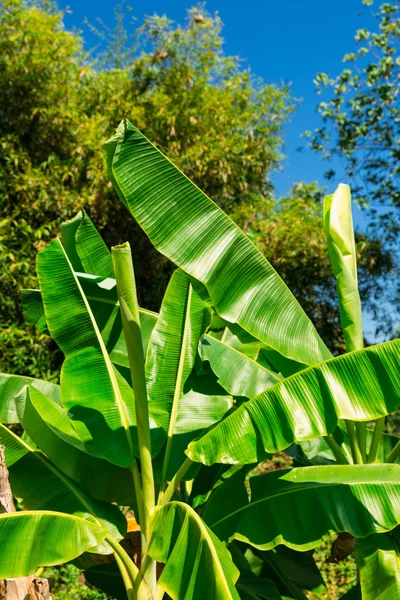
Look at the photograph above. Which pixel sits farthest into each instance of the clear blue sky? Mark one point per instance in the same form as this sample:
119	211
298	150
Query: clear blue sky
286	40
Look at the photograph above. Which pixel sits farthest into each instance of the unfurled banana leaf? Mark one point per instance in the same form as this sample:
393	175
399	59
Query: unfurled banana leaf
378	561
187	227
10	387
255	588
29	540
103	300
172	348
360	386
358	499
342	251
49	426
39	485
85	247
175	403
238	374
99	398
197	560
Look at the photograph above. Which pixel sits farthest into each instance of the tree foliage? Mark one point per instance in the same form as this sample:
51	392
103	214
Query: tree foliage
361	115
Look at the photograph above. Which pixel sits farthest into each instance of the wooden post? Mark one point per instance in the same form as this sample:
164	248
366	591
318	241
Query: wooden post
19	588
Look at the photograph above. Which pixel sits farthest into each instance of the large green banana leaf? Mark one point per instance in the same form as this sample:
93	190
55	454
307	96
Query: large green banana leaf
10	387
360	385
85	247
238	374
196	561
49	426
187	227
102	297
29	540
302	507
92	390
342	251
173	346
39	485
378	561
177	401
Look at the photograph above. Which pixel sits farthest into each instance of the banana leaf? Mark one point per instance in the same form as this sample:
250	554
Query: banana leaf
11	386
101	294
358	499
85	247
378	561
195	560
33	539
49	426
92	390
360	386
193	232
39	485
238	374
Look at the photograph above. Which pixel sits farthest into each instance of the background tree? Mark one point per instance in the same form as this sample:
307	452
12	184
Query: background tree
361	118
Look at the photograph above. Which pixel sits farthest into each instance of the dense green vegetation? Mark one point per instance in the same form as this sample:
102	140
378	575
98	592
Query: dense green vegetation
166	414
56	107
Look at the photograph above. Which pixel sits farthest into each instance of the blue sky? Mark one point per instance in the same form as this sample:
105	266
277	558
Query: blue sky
286	40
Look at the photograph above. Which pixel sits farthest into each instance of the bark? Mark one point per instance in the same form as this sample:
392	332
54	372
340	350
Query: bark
20	588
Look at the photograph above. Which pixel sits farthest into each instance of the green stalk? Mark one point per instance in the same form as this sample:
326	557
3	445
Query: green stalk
177	392
126	286
355	450
395	453
334	446
376	440
361	432
169	492
130	569
125	578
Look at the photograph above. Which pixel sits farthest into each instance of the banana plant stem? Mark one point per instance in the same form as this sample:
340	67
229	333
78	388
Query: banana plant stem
376	440
337	452
361	432
355	450
130	569
129	307
395	453
128	583
169	492
137	484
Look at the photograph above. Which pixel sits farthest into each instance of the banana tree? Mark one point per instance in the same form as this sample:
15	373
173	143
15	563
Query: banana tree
167	414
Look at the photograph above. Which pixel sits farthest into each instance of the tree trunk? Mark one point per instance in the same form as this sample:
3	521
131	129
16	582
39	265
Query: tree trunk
19	588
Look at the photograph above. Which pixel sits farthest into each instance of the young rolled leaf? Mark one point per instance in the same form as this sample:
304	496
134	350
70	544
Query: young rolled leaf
85	247
92	390
238	374
342	251
39	485
11	386
187	227
195	558
33	539
50	428
360	386
378	561
358	499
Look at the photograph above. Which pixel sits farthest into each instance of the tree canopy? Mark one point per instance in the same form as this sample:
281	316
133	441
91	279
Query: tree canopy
201	107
